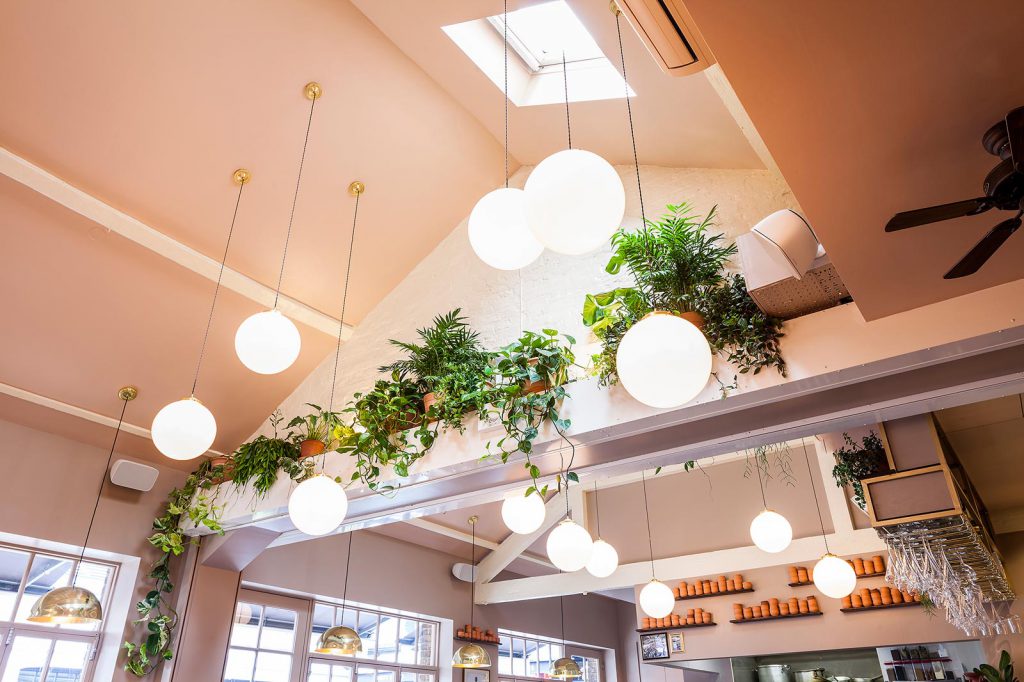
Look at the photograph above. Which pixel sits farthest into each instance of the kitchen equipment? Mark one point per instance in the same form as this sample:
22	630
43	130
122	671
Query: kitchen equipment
810	675
877	678
774	673
840	678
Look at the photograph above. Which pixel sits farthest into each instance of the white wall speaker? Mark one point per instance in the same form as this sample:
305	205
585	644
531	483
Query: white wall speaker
133	475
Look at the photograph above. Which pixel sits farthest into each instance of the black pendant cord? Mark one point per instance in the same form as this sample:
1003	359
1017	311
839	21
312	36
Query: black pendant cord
348	564
472	576
561	613
757	466
565	85
647	515
504	25
629	112
295	199
99	495
597	512
216	289
810	478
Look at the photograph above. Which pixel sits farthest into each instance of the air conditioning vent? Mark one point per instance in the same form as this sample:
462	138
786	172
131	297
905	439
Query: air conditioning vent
667	30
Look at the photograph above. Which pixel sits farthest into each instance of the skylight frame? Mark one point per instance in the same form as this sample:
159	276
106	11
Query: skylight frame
529	56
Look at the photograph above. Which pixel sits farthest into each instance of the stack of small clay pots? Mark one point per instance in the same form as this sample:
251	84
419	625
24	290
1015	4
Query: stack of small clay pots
879	596
774	608
721	585
800	575
476	634
873	566
693	617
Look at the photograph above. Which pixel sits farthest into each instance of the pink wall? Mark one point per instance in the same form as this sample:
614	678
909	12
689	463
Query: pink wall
1011	546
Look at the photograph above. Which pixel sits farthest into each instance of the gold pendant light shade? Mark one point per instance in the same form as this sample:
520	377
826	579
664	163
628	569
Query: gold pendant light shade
566	669
471	656
67	606
340	641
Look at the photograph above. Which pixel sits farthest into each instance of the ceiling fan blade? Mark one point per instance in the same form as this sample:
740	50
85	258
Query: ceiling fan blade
934	214
1015	132
984	249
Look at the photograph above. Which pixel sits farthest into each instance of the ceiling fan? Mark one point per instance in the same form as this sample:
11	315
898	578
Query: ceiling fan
1004	190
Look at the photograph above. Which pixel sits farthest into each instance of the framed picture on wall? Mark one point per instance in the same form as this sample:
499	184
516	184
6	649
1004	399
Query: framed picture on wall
654	645
675	643
475	675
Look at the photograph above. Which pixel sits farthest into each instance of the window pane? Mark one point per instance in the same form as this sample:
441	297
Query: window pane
504	655
341	673
365	674
319	672
387	634
543	659
368	633
425	677
27	659
246	629
12	570
68	661
532	668
278	629
518	657
407	641
323	618
425	644
385	675
45	574
239	666
272	667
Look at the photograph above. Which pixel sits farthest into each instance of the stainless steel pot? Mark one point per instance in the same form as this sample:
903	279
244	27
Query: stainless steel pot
868	679
810	675
774	673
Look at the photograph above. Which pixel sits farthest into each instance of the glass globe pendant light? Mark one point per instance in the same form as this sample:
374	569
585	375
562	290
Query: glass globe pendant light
832	575
656	598
664	360
185	429
72	604
574	199
472	655
498	231
603	557
769	531
341	640
569	546
268	342
318	505
522	513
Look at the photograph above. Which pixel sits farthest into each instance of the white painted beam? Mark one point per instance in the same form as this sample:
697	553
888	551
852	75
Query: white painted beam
515	545
835	497
801	550
465	537
59	191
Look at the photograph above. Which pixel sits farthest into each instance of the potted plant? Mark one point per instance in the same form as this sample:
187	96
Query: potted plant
222	469
316	431
259	460
534	362
1004	673
856	462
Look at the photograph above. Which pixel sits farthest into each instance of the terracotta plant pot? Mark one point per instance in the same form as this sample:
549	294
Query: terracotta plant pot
429	400
535	386
310	448
696	319
229	469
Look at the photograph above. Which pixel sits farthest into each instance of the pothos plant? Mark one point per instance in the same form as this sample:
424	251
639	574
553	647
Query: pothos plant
257	462
855	462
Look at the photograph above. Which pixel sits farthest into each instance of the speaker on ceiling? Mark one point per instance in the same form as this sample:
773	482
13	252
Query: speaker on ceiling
133	475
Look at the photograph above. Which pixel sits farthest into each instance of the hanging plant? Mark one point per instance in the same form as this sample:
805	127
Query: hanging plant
856	462
258	461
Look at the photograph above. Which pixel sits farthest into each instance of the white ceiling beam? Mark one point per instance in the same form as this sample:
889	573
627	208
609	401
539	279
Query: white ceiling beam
74	199
515	545
671	569
463	536
835	497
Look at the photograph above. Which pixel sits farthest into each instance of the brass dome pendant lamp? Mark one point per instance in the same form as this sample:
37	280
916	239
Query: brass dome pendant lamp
71	604
341	640
564	668
472	655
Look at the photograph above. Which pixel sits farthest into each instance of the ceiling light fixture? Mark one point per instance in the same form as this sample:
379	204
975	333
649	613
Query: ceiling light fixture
185	428
656	598
268	342
498	231
564	668
664	360
472	655
603	558
574	199
522	513
832	575
318	505
71	604
569	545
341	640
769	531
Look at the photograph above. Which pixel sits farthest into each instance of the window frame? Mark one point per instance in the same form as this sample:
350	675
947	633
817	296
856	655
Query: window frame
302	625
433	667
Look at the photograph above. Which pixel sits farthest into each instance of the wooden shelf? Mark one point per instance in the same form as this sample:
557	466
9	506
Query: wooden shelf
811	582
712	594
921	660
779	617
474	641
881	606
676	627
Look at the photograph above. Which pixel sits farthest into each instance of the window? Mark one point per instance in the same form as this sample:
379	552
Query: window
590	666
539	34
387	637
526	656
263	639
37	652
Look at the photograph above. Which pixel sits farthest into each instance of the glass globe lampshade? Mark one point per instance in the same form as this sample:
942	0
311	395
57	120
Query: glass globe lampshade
317	505
67	606
340	641
267	342
603	560
183	429
663	360
834	576
498	231
656	599
569	546
522	513
471	656
565	669
574	201
771	532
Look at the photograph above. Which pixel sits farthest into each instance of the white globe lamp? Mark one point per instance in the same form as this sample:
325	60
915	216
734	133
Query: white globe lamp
183	429
834	576
656	599
574	202
498	231
569	546
771	532
603	560
522	513
664	360
317	505
267	342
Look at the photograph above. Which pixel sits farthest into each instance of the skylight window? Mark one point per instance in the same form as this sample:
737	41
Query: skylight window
539	35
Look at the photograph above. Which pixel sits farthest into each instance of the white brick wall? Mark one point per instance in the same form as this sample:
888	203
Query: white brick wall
552	287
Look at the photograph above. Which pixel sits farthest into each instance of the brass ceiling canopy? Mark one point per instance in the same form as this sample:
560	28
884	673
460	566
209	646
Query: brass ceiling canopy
241	176
313	90
566	669
340	641
356	188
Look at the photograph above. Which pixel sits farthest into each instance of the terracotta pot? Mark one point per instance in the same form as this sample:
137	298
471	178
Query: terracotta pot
535	386
877	564
310	448
429	400
228	474
783	608
696	319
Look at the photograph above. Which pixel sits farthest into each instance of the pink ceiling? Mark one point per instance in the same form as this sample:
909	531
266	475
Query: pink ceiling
680	122
875	108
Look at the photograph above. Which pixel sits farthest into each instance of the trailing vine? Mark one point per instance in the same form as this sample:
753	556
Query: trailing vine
856	462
